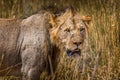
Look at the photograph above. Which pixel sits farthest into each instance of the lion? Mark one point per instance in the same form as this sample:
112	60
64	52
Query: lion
29	46
68	32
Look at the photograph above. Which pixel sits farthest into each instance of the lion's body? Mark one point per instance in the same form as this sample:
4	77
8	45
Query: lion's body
9	44
24	42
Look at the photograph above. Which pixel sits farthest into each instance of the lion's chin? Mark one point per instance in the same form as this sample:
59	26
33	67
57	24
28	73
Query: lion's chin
73	52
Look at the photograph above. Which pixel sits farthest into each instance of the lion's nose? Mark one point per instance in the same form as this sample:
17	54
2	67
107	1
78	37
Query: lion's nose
77	43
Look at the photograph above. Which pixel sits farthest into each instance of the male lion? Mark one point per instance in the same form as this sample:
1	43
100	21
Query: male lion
26	43
68	32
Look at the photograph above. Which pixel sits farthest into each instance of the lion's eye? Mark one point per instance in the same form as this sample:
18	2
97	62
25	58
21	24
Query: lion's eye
82	30
67	30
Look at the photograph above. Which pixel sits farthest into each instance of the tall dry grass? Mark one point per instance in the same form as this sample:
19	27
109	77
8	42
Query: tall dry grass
101	59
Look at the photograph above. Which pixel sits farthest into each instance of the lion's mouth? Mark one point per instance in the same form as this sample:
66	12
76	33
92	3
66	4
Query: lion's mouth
73	52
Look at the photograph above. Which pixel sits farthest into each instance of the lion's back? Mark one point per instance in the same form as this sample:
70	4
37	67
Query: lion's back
9	33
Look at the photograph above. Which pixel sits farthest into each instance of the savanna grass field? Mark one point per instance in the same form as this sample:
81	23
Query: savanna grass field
100	59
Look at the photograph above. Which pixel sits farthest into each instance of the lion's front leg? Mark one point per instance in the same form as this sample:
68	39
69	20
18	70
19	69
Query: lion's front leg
32	74
30	64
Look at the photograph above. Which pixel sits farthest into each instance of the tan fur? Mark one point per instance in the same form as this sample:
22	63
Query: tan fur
24	46
67	21
60	20
28	41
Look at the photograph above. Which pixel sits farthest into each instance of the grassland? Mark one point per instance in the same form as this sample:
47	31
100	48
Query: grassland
101	59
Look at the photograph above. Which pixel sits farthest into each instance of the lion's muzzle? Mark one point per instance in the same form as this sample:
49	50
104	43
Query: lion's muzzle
73	52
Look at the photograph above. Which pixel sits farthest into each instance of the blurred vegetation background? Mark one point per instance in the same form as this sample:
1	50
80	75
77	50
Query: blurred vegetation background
102	59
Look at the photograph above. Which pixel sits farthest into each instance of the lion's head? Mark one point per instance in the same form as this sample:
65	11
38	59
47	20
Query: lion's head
69	31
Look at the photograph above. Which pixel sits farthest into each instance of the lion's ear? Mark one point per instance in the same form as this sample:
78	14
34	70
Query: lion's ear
55	21
86	19
63	17
68	13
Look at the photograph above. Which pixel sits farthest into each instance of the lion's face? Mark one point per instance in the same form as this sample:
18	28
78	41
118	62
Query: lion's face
72	35
70	32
